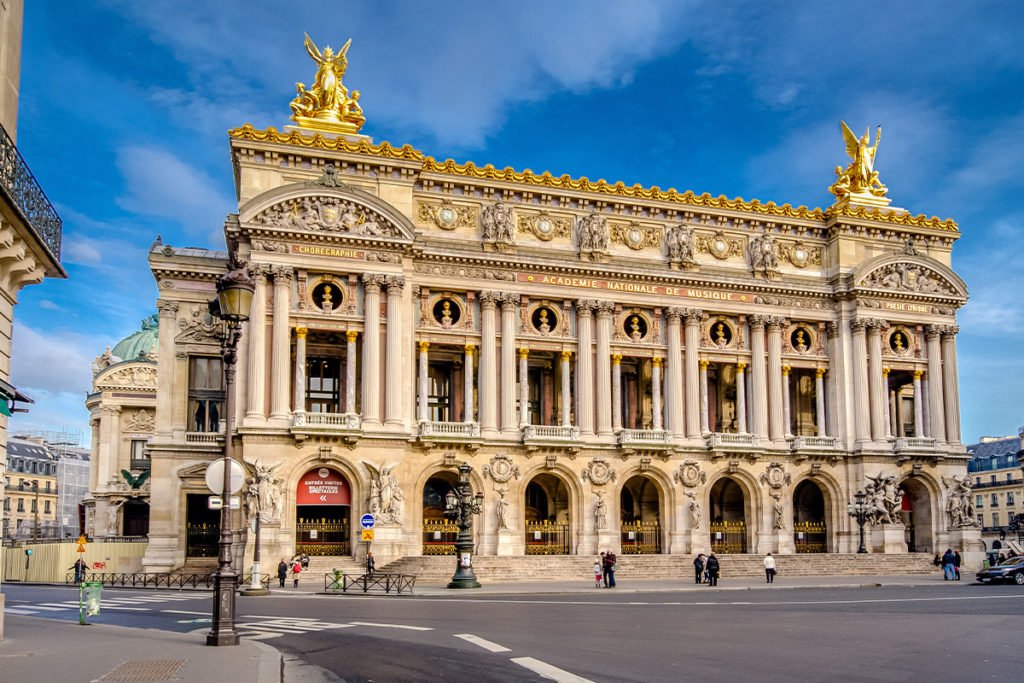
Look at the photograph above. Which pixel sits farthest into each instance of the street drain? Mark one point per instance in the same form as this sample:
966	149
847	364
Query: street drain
145	671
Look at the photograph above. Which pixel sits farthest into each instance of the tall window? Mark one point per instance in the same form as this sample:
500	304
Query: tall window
46	506
139	455
995	519
21	505
1009	498
323	385
205	393
995	500
979	501
439	381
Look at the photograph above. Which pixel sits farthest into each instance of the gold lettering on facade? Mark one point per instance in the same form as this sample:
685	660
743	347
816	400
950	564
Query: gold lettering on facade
334	252
902	306
631	287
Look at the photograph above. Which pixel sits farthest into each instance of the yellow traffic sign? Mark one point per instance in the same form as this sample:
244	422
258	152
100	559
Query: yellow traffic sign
367	534
82	540
81	548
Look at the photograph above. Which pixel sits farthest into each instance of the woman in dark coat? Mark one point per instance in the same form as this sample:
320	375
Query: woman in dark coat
712	567
698	568
282	572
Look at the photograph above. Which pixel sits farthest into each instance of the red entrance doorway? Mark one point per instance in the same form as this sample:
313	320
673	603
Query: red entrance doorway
322	511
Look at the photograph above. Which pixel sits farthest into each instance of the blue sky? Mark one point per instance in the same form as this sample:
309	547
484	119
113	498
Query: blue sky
125	105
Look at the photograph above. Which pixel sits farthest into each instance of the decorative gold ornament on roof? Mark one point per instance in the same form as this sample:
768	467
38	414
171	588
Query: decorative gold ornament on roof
859	183
328	106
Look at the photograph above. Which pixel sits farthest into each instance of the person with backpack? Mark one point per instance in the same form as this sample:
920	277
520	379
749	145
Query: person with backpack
712	567
296	570
698	568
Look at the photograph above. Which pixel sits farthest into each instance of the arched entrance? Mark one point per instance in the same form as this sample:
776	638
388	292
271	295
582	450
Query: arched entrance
323	503
916	514
136	517
640	516
438	532
810	532
728	514
202	526
547	516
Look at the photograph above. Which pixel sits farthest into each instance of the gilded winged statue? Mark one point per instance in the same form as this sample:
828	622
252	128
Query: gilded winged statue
328	105
860	177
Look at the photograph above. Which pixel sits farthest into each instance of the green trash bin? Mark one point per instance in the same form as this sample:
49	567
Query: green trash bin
89	595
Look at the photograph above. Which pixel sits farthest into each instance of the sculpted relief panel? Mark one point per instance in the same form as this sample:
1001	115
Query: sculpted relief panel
909	277
327	214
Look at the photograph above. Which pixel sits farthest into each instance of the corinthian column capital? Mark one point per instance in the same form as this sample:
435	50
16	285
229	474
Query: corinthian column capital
394	283
372	282
283	275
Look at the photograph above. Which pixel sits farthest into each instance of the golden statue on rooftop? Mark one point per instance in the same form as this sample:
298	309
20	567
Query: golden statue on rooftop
328	106
858	183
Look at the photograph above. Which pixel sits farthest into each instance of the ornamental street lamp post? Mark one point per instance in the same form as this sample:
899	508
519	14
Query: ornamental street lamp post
460	506
860	512
234	298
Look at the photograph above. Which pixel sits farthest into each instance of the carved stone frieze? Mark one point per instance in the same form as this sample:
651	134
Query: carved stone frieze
468	272
384	256
764	256
908	277
800	255
636	236
501	469
690	474
598	472
776	476
680	245
795	302
544	226
199	327
138	376
497	223
327	214
140	421
592	235
446	215
719	245
271	246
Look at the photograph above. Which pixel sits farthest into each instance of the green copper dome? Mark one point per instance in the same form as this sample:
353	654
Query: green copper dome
140	343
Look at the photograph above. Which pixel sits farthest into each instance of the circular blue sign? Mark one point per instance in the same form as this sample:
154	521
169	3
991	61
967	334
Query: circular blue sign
366	521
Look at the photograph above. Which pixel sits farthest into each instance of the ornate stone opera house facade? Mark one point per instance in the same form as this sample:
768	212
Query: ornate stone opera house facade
625	368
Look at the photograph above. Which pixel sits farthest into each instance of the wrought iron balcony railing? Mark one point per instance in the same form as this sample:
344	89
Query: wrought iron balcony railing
26	195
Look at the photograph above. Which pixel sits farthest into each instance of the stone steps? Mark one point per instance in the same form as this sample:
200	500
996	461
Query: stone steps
568	567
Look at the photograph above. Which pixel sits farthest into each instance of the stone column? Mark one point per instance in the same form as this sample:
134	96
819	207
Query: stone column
758	377
861	401
165	371
741	397
603	371
257	360
424	381
509	307
877	397
467	388
585	367
617	392
776	428
819	401
692	343
393	380
936	406
241	377
566	391
656	392
918	413
787	409
350	371
890	405
925	415
488	364
950	385
299	396
705	426
524	387
674	373
106	462
280	339
372	283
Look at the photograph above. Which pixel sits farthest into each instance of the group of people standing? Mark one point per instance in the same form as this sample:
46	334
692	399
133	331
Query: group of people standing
950	563
297	565
604	570
706	569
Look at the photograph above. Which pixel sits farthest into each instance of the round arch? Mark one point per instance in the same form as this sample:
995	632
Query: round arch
733	511
920	512
551	511
358	485
642	513
834	517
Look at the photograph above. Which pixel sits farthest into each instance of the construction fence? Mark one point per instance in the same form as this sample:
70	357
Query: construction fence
50	562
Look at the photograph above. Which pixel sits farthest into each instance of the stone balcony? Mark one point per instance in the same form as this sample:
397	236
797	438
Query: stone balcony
730	440
556	436
914	444
348	426
429	432
645	439
815	443
205	438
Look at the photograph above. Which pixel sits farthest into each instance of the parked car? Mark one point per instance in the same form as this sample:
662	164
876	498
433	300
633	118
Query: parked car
1010	570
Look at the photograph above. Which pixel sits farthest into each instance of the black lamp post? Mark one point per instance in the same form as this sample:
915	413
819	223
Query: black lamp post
460	506
860	511
234	298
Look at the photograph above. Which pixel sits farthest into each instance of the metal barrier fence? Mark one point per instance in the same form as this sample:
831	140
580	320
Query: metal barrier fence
377	581
640	538
136	580
728	537
810	537
545	538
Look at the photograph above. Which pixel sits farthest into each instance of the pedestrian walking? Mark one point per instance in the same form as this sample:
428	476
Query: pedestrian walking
769	568
956	563
948	571
712	567
296	570
698	568
282	572
371	565
79	566
609	569
598	572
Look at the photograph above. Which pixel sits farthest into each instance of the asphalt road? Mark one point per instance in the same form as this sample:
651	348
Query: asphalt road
934	633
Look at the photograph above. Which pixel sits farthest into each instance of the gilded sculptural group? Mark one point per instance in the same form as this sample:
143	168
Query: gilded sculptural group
328	106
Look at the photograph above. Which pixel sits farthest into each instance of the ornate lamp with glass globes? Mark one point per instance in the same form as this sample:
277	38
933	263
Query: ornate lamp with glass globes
460	506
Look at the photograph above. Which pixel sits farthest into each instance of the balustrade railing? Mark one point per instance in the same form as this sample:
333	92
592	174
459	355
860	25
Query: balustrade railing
204	437
466	430
647	437
718	439
347	421
815	442
551	432
914	443
27	196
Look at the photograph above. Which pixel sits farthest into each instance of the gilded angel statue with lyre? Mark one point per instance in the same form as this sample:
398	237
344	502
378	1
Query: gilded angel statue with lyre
859	179
328	105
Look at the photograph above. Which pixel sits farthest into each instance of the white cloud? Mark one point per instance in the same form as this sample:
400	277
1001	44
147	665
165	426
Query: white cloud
54	412
53	361
50	305
81	251
157	183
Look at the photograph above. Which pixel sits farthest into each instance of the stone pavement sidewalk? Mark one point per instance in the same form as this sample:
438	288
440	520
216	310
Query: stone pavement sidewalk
37	649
